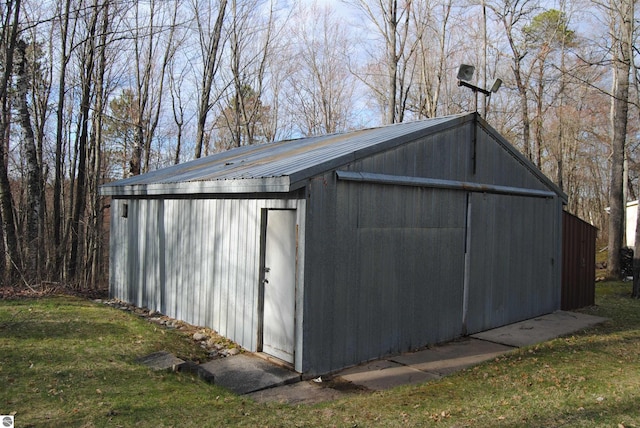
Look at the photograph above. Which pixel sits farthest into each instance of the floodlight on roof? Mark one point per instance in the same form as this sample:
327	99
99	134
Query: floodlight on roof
465	72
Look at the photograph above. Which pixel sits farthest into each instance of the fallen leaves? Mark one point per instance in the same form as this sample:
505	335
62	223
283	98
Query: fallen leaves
438	417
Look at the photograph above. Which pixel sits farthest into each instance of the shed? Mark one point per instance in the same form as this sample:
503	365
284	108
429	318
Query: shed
630	218
578	263
329	251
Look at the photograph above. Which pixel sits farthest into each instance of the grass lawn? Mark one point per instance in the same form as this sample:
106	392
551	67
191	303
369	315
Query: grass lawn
65	361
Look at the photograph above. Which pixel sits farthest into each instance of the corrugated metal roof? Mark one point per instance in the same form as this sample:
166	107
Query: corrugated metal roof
285	166
280	166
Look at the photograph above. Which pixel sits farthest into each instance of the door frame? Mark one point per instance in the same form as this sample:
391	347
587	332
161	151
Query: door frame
261	281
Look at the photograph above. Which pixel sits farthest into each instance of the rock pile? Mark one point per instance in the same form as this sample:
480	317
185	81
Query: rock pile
215	345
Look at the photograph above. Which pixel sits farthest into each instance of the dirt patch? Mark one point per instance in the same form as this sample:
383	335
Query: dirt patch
340	384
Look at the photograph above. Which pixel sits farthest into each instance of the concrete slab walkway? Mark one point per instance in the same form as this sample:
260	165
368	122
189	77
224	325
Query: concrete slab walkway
264	381
385	374
540	329
453	356
246	373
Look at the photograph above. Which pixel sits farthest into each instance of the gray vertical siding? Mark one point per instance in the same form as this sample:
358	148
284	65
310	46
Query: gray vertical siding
409	260
385	270
118	250
514	260
446	155
197	260
388	277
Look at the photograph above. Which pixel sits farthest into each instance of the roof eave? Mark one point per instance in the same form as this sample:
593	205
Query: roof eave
251	185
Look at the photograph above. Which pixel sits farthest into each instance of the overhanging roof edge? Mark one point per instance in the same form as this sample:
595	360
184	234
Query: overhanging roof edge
262	185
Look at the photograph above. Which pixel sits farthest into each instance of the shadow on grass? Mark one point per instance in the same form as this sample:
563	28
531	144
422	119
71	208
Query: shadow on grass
63	329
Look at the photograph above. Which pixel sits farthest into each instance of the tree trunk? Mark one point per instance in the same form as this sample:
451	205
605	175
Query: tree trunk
616	197
57	217
561	119
392	62
8	42
144	62
524	112
77	226
509	14
135	164
537	146
178	113
33	207
210	70
166	59
94	242
176	158
620	107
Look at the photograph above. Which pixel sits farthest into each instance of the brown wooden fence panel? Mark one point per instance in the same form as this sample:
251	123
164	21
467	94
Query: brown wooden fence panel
578	262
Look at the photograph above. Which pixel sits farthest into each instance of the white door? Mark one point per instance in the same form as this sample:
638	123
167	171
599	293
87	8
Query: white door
279	284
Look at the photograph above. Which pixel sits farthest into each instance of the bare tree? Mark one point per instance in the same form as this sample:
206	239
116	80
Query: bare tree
170	47
210	43
10	14
93	266
392	20
513	16
321	88
34	207
65	40
621	18
547	34
76	228
432	32
150	28
250	43
177	108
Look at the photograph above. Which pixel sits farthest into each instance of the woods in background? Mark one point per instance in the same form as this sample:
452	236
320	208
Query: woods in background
96	90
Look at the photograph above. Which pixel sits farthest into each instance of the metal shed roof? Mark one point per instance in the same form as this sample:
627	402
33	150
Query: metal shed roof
282	166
